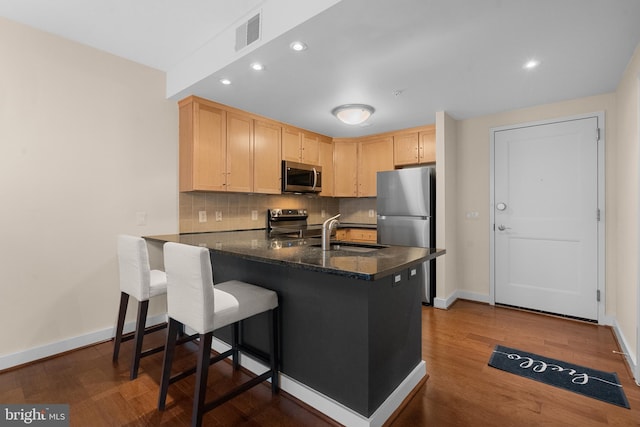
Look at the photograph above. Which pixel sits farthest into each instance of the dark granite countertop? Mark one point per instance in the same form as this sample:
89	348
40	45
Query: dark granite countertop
256	245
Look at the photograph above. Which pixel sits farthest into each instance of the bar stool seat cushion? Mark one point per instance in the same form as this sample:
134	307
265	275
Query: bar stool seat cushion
235	300
158	283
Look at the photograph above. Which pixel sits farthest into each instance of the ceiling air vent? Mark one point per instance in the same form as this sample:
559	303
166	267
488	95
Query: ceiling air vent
248	32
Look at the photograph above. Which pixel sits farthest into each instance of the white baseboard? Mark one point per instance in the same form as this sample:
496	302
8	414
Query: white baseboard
629	355
327	405
445	303
36	353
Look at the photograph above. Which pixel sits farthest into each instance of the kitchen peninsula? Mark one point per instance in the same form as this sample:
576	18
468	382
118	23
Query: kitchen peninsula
350	318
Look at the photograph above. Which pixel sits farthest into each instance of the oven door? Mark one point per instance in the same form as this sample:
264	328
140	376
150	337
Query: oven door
301	178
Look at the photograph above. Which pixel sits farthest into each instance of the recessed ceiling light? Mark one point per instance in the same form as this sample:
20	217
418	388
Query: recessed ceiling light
225	81
256	66
298	46
531	64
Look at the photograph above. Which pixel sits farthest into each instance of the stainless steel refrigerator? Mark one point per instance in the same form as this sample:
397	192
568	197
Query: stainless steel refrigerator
406	215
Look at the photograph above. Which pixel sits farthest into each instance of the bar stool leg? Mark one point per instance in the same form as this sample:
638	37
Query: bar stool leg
141	323
122	312
202	372
172	334
234	345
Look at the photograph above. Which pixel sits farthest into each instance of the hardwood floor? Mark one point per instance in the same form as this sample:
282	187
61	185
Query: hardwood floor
462	389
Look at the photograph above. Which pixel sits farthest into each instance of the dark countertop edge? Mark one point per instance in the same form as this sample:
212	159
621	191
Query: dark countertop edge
304	266
343	273
299	265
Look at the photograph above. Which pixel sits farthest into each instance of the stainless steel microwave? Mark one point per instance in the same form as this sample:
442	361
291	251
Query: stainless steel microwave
301	178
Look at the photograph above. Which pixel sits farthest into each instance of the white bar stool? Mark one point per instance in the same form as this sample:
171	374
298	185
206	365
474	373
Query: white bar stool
193	301
139	281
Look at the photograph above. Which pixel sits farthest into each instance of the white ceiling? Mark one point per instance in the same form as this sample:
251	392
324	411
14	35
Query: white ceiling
407	58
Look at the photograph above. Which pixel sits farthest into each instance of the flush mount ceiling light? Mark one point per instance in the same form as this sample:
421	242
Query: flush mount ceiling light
225	81
353	114
256	66
298	46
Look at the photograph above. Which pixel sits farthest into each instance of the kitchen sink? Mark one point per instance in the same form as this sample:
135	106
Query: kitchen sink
352	246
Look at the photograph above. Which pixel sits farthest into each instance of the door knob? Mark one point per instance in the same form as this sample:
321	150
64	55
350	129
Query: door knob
501	206
502	227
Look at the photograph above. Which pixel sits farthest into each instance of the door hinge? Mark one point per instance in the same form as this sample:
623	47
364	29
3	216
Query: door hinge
597	134
598	295
598	214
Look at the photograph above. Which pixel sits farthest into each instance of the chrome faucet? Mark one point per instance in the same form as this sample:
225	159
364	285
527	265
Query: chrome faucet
327	226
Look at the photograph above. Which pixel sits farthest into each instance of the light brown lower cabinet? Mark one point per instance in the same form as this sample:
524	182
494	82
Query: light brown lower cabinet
365	235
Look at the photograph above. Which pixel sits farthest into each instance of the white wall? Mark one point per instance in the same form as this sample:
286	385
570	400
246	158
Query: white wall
626	176
87	140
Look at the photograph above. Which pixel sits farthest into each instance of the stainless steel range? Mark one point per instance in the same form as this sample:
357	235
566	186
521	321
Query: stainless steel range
291	223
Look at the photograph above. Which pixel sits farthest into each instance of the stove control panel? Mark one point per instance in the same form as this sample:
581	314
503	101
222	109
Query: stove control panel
288	214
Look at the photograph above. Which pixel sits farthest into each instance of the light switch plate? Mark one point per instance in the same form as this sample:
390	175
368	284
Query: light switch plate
254	215
141	218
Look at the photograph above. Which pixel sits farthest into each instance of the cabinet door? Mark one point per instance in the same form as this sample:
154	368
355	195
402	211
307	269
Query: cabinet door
291	144
266	157
345	172
326	161
375	155
357	235
364	235
405	149
310	150
342	234
202	147
428	146
239	153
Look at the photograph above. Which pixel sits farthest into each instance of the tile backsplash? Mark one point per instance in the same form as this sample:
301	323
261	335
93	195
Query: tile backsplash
358	210
234	210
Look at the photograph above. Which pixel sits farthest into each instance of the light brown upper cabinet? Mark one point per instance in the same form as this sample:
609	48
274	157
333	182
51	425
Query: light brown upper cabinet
356	163
217	145
414	148
374	155
239	168
203	146
267	157
345	168
326	161
300	146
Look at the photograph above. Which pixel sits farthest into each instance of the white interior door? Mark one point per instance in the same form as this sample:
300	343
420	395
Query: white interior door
546	217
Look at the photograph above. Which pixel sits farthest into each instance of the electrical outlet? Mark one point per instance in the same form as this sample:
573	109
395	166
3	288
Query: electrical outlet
323	213
254	215
371	213
218	215
202	216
